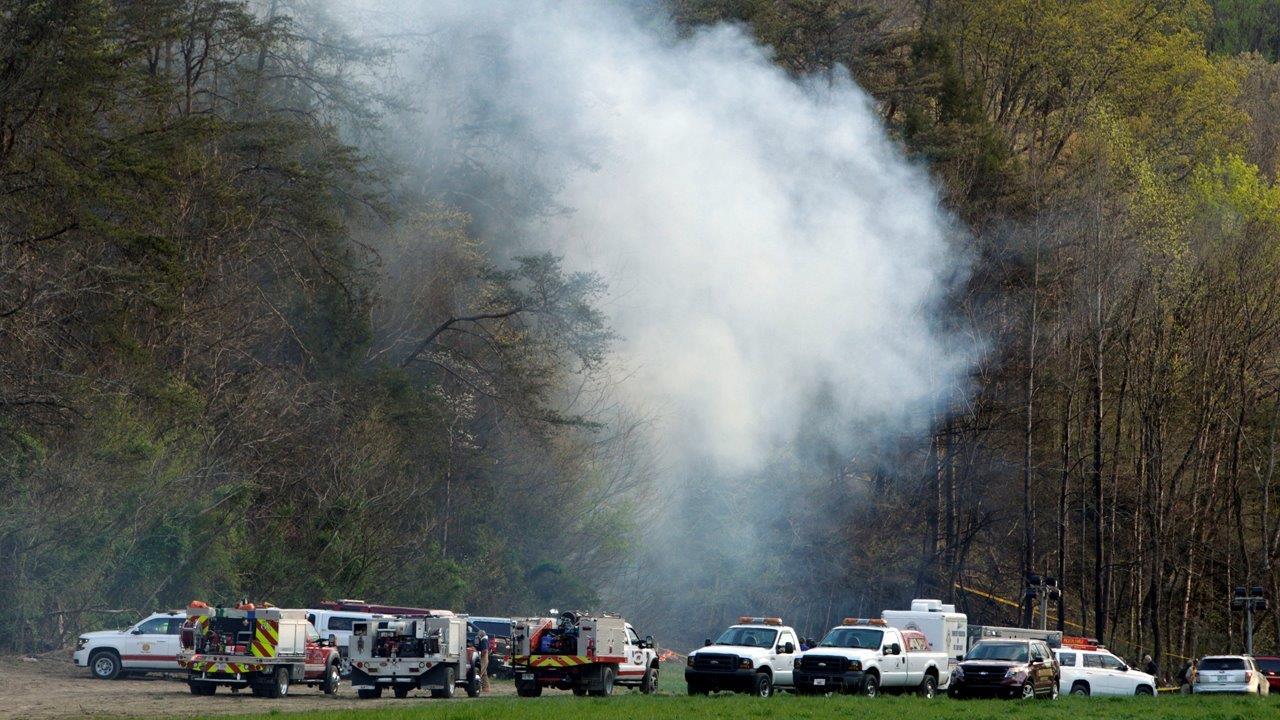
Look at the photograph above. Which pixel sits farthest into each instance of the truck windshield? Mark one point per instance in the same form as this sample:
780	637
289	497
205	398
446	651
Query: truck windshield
748	637
846	637
1009	651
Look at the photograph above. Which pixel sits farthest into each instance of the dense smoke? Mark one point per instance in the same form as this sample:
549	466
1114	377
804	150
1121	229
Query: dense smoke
774	262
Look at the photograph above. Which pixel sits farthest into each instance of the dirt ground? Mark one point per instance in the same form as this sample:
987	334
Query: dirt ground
52	687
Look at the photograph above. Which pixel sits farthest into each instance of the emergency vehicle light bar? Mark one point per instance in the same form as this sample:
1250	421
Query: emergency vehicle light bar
760	620
864	621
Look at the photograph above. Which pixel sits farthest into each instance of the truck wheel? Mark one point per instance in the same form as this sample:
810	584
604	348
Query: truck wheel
105	664
1053	691
763	685
530	690
369	693
928	687
331	679
1144	691
401	691
871	685
696	689
1028	691
649	684
1080	688
279	683
450	678
606	683
201	688
473	684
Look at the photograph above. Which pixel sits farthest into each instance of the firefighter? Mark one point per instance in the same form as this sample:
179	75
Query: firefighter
483	648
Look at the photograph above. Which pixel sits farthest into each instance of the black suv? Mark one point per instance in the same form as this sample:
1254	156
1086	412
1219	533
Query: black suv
1011	668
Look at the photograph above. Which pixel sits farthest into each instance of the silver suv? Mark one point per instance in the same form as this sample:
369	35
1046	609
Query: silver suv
1229	674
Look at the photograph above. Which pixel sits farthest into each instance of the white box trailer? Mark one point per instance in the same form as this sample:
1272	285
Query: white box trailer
946	629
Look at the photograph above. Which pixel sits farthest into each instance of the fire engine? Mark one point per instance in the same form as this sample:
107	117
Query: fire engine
266	649
406	653
588	654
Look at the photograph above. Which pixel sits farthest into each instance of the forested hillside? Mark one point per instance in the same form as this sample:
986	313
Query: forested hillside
251	346
238	362
1115	163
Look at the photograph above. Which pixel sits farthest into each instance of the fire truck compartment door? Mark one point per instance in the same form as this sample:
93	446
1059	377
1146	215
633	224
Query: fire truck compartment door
293	637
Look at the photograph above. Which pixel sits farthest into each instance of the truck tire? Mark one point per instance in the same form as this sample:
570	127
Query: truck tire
928	687
401	690
279	686
529	690
450	678
369	693
649	684
105	664
697	689
332	677
1144	691
1080	688
763	685
473	684
199	687
871	685
1028	691
606	682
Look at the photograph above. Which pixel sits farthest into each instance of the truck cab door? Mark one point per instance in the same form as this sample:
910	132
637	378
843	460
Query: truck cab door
893	667
784	663
633	667
314	657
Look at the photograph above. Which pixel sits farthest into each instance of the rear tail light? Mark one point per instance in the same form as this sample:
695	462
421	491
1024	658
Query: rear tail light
1248	675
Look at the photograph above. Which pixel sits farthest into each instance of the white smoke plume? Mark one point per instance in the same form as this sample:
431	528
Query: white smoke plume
768	248
763	238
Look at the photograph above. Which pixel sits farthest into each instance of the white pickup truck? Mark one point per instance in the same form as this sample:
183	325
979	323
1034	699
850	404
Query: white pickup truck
867	657
756	656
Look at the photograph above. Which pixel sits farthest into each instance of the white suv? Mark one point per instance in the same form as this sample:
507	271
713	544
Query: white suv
1229	674
1098	672
149	646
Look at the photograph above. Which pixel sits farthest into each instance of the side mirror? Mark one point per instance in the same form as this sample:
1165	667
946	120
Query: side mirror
1123	668
136	631
706	642
788	648
893	649
648	641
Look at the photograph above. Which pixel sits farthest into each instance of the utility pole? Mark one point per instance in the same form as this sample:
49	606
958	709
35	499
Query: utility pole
1249	599
1045	588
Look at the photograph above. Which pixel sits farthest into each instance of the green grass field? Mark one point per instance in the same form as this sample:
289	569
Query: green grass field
672	702
632	706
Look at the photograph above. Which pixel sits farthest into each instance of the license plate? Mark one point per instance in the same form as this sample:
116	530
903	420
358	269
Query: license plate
527	676
819	681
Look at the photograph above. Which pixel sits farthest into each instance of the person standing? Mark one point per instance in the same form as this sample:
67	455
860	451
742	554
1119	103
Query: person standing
484	646
1151	667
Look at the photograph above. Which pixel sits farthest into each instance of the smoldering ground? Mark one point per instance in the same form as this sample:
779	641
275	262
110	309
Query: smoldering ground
775	264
